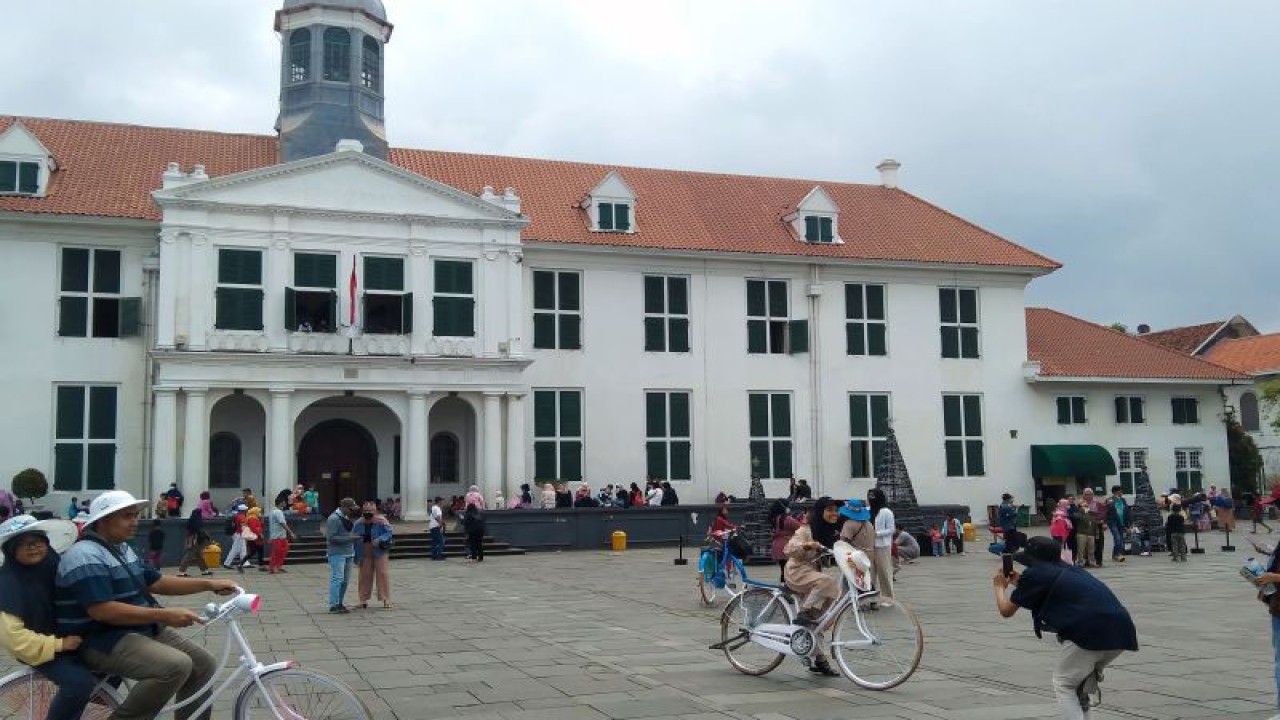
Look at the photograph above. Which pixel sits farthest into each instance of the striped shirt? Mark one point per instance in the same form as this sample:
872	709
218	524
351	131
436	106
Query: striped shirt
89	574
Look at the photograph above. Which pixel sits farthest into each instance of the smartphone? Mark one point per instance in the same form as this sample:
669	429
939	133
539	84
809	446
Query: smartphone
1007	562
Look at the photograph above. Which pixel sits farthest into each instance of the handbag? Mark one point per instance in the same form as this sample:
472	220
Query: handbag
248	534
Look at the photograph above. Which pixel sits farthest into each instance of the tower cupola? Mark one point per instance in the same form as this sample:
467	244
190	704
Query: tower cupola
331	76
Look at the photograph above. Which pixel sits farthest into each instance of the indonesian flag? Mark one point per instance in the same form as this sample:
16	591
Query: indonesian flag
352	320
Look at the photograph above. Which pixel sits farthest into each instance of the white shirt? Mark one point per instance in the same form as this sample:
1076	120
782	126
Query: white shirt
655	496
884	528
437	518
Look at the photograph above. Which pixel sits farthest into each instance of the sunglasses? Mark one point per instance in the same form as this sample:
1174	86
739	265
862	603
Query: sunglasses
31	543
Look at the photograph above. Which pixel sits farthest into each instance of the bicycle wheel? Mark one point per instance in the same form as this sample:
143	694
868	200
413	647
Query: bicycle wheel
706	578
744	612
878	645
299	695
27	697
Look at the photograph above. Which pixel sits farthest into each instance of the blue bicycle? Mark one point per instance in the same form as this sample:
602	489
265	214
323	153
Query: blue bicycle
720	566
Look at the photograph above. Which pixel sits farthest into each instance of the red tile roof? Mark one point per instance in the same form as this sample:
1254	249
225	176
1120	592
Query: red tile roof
1067	346
109	170
1184	339
1258	354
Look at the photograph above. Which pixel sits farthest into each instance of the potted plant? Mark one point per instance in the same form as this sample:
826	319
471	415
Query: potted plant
30	485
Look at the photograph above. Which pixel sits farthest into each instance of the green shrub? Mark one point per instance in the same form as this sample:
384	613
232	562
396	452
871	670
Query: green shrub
30	484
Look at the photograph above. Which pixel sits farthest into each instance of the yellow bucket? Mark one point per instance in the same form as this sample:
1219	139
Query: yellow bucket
619	541
212	554
970	534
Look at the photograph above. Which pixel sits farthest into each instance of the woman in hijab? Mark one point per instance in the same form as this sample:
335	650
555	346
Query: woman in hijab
207	510
193	545
783	526
373	554
26	611
473	497
803	575
882	557
526	496
473	521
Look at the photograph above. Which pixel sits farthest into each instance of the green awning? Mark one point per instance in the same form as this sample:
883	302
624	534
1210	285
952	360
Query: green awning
1071	461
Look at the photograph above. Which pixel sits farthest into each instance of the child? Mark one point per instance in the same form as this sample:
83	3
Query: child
1060	528
935	539
26	610
155	544
1175	529
953	534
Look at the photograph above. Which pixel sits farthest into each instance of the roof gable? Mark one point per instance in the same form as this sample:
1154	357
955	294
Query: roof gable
611	187
17	139
1258	355
817	200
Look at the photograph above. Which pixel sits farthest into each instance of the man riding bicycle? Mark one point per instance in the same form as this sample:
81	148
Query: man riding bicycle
104	594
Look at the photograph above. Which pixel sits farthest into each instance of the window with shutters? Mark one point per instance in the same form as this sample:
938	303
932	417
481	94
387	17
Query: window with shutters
1186	411
84	437
962	426
768	316
1187	470
868	430
311	305
958	308
613	217
1071	410
337	54
388	309
557	310
1130	410
445	458
453	302
299	55
865	325
89	299
557	434
668	439
19	178
1250	418
819	229
770	443
371	64
238	296
1131	463
666	313
224	460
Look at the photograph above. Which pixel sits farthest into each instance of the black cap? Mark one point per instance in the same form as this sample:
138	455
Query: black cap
1039	549
1006	496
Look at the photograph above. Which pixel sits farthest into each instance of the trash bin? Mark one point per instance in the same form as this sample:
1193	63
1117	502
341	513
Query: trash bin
212	554
1024	516
619	541
970	534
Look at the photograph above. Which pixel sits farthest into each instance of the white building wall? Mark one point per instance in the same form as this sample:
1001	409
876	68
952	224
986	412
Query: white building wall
1267	437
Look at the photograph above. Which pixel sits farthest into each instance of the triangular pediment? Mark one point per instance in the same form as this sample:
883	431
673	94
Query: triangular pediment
612	187
340	182
17	140
817	201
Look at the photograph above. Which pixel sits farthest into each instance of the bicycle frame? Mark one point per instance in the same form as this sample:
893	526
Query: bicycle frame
726	556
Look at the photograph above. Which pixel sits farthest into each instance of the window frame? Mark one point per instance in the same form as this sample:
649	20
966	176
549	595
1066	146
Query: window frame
1128	403
326	293
333	50
112	301
771	439
868	445
1129	464
234	448
404	299
24	167
776	342
299	68
858	325
559	440
960	325
557	313
668	440
371	73
219	285
1250	412
618	209
820	229
1188	466
964	437
1076	407
666	320
437	294
85	440
1194	408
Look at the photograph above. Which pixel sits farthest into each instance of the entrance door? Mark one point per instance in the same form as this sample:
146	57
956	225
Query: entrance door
341	459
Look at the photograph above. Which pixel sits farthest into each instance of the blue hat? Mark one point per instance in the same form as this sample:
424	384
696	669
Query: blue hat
855	509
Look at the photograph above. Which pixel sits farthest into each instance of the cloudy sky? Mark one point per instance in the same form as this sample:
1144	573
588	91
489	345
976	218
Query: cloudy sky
1135	142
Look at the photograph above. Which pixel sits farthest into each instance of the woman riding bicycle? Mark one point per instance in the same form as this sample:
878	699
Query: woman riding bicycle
804	576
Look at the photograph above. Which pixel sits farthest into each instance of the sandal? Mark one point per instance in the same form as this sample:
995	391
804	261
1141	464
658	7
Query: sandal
386	605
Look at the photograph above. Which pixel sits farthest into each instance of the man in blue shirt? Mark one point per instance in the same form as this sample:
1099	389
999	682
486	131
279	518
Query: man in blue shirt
104	594
1092	626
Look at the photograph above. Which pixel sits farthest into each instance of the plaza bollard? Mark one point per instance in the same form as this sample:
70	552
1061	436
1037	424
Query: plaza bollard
1228	547
680	558
619	541
1195	532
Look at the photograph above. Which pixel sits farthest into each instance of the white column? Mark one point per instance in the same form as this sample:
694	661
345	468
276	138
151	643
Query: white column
420	284
200	295
279	473
195	445
491	467
167	294
515	444
277	266
164	441
414	483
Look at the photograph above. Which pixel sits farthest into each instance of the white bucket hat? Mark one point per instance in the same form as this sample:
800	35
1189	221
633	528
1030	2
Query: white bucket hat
109	502
61	533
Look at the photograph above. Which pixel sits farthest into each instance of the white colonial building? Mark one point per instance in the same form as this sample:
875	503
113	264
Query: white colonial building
224	311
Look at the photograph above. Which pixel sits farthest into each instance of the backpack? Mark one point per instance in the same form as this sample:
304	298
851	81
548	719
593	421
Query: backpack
172	503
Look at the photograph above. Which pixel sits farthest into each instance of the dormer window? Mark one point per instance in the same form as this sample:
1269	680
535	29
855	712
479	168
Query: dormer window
18	177
814	219
613	217
819	229
25	163
610	205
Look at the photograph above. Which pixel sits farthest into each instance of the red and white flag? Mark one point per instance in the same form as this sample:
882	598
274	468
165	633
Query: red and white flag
352	320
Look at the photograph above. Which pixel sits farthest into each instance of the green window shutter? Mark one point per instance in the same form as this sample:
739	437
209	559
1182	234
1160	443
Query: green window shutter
68	467
1064	410
875	302
681	460
858	461
1077	410
947	304
454	317
1179	413
798	331
655	415
759	457
570	332
569	291
877	344
239	267
1136	409
655	336
880	415
406	313
678	335
130	317
75	270
826	232
755	298
545	466
250	309
73	316
1122	410
384	273
622	217
780	415
69	423
778	299
811	231
680	426
544	413
854	342
656	460
757	336
973	454
877	452
678	295
654	294
955	458
853	306
570	413
544	331
333	310
968	306
782	465
571	460
8	176
968	342
454	276
106	271
290	309
29	178
544	290
950	341
858	425
951	415
972	415
315	270
102	413
758	414
1193	411
101	473
604	216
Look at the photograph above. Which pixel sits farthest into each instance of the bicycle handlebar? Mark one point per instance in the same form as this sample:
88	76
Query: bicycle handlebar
242	601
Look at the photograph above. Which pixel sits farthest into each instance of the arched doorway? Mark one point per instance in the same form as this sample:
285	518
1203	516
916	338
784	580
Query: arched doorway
445	458
451	445
340	458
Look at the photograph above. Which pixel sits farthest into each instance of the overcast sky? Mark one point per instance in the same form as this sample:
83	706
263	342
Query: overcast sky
1135	142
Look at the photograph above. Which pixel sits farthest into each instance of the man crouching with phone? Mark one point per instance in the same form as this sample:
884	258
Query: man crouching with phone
1092	626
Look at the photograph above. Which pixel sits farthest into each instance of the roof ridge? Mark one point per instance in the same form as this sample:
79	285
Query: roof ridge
979	228
111	123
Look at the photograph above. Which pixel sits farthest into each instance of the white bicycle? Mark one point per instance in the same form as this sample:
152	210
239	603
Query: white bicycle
875	643
281	690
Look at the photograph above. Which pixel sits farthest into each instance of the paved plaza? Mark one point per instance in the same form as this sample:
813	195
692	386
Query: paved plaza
593	635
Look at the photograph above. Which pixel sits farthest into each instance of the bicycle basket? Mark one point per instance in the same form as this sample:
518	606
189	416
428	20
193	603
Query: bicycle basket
740	546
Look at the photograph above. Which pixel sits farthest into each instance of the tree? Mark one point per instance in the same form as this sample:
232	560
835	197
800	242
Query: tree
1244	458
1119	327
30	484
